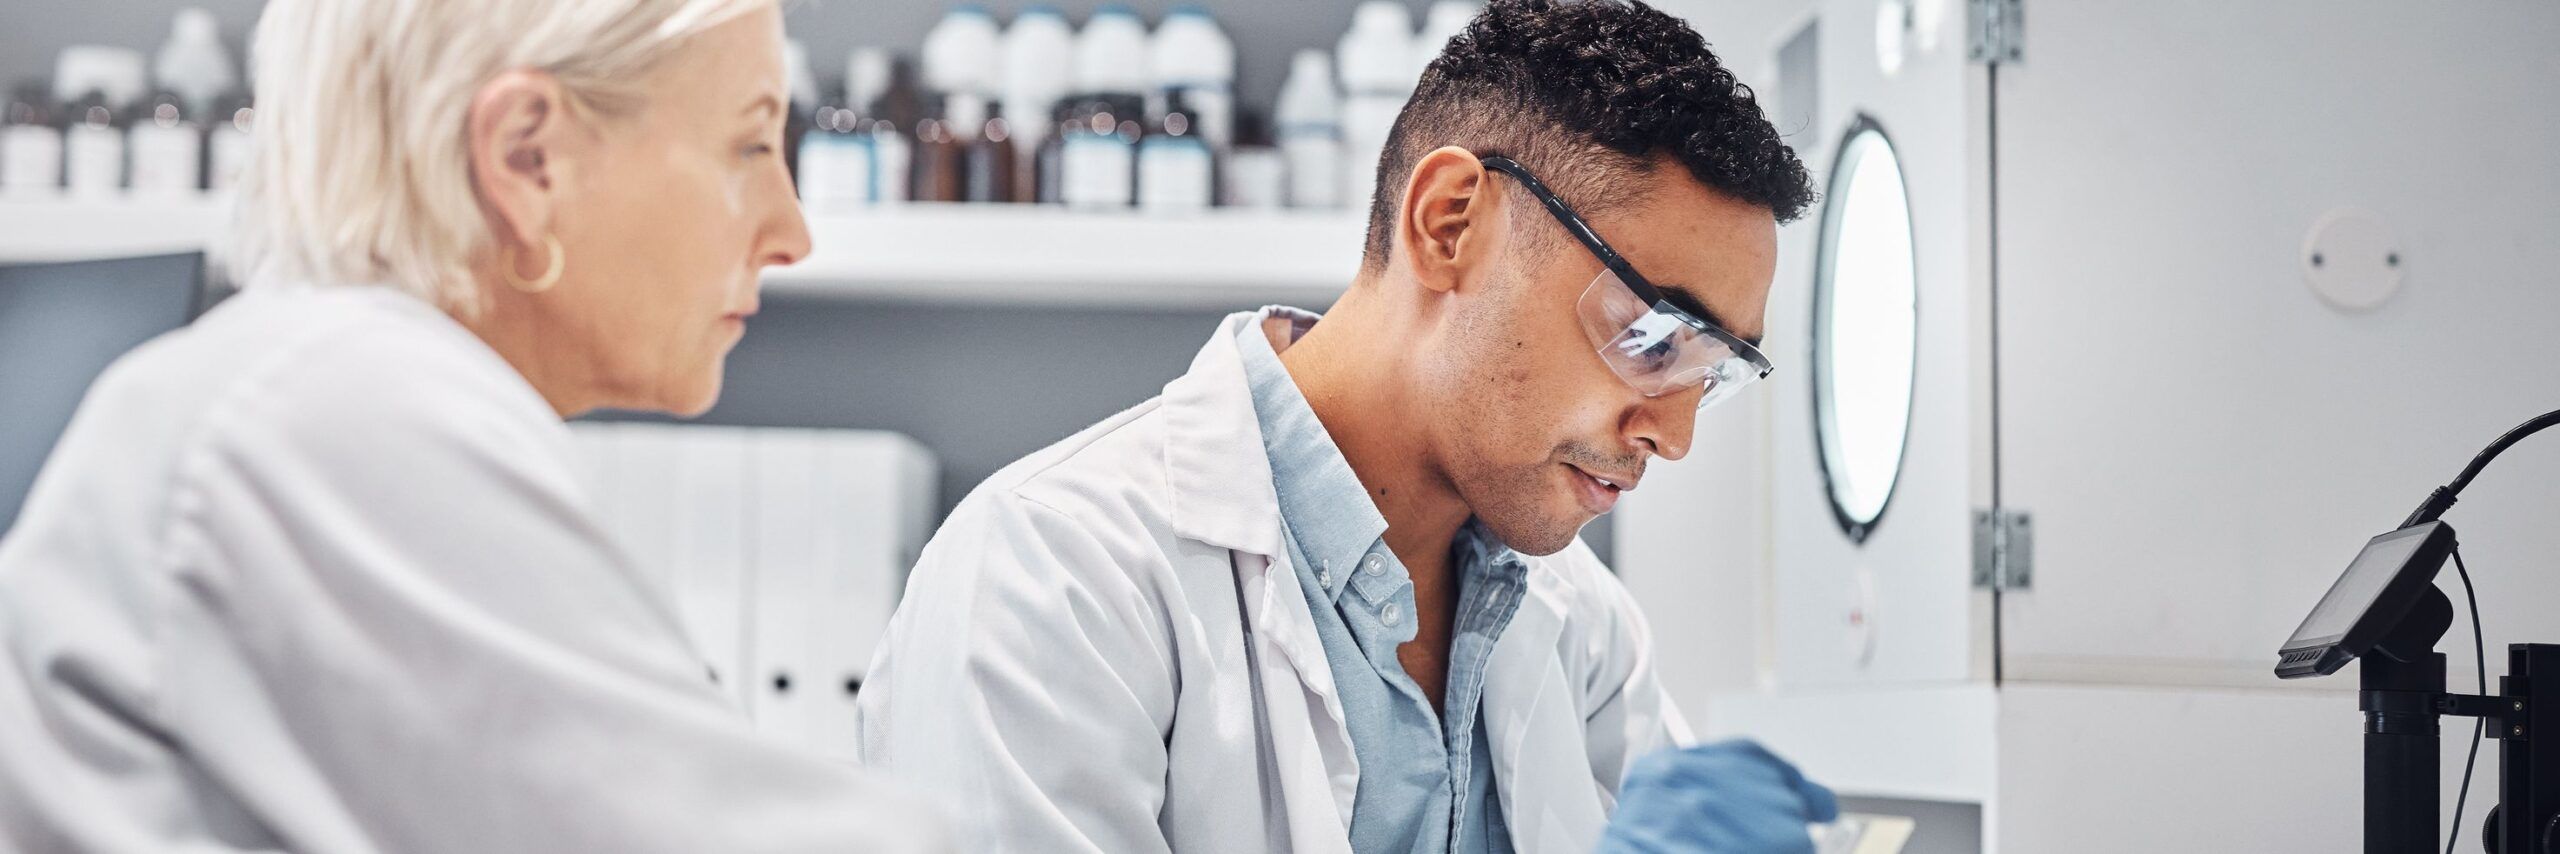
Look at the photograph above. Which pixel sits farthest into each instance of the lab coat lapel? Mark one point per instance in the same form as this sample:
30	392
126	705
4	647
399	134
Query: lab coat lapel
1222	495
1534	720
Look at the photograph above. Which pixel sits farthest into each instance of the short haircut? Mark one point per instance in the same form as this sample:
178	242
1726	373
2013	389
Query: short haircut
362	174
1588	94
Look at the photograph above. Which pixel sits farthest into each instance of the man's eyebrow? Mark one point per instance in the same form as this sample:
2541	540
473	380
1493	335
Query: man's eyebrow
766	102
1680	298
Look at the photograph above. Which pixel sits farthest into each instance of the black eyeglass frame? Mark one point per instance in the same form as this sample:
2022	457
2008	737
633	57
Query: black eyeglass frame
1644	289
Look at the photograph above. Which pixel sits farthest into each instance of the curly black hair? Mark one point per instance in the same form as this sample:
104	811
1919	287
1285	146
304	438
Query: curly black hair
1589	93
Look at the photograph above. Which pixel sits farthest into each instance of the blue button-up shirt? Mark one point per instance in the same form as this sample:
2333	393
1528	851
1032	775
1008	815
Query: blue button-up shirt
1426	782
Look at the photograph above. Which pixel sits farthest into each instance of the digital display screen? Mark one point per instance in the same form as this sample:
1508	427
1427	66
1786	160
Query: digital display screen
2355	591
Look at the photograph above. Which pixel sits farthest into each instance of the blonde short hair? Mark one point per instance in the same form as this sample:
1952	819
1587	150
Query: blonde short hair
362	173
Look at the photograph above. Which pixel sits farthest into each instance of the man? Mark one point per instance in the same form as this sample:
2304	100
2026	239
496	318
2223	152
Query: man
1325	594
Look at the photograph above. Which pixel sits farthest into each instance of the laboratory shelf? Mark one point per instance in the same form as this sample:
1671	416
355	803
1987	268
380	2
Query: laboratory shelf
1018	255
913	253
57	229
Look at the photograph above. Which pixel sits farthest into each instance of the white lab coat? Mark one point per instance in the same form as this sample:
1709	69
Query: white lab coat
314	575
1071	659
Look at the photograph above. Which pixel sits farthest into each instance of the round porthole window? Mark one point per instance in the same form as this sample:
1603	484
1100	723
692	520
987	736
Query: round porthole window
1865	328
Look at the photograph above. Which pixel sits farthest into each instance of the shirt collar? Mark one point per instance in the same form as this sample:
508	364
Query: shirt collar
1328	513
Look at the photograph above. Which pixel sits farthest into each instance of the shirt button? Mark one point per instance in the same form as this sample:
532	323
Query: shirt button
1374	566
1390	614
1324	578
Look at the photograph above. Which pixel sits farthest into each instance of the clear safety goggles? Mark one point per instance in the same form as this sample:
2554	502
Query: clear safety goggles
1658	348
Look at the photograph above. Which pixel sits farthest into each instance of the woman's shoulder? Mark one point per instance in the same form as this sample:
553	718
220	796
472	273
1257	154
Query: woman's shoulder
345	359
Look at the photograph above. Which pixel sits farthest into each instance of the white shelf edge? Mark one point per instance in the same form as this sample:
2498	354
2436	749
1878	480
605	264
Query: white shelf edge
61	229
1046	256
916	253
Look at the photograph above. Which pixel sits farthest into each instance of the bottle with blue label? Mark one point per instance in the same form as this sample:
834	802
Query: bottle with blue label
1099	154
1177	172
835	159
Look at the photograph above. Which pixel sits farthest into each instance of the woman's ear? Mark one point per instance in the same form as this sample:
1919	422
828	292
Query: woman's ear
1445	227
516	133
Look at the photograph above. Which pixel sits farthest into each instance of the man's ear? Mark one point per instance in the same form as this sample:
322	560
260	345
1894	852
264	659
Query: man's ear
1447	224
516	132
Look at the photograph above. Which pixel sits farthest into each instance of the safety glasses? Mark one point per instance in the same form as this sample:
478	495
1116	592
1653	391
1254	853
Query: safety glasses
1655	346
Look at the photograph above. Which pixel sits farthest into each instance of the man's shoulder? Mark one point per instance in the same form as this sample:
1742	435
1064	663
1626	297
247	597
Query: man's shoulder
1104	486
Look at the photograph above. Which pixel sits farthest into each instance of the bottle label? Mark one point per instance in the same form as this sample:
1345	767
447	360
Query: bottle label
93	159
1174	175
890	158
232	148
30	158
1315	170
1098	171
835	171
167	161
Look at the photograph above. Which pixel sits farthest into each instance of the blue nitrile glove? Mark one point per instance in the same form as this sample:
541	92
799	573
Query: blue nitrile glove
1730	797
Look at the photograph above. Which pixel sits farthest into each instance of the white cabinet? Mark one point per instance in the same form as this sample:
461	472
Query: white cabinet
782	551
2202	441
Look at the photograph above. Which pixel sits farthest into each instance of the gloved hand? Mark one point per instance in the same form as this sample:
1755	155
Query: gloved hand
1730	797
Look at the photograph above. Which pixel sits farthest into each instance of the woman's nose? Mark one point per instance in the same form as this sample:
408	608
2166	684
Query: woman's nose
787	238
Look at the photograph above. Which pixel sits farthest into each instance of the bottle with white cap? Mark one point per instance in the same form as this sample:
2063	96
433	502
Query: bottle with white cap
193	63
1308	126
1111	54
1098	158
962	56
1376	60
1039	48
1444	21
30	143
1192	56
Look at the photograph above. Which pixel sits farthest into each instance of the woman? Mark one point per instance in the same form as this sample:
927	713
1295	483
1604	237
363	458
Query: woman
313	574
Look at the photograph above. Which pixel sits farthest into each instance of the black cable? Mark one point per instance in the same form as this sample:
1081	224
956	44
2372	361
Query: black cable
2442	499
2479	657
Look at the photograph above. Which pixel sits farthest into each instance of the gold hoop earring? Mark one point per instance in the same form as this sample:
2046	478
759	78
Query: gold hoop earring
550	276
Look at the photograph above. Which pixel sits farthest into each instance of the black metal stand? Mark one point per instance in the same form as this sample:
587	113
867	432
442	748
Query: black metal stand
2403	698
2527	818
2402	677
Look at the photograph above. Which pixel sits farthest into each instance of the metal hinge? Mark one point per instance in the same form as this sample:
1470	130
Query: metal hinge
1994	31
2003	550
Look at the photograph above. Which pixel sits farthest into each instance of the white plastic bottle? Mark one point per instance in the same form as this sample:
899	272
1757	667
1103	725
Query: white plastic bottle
866	78
1038	51
166	145
1192	56
1376	61
1111	54
30	144
193	62
1308	127
961	54
1444	21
